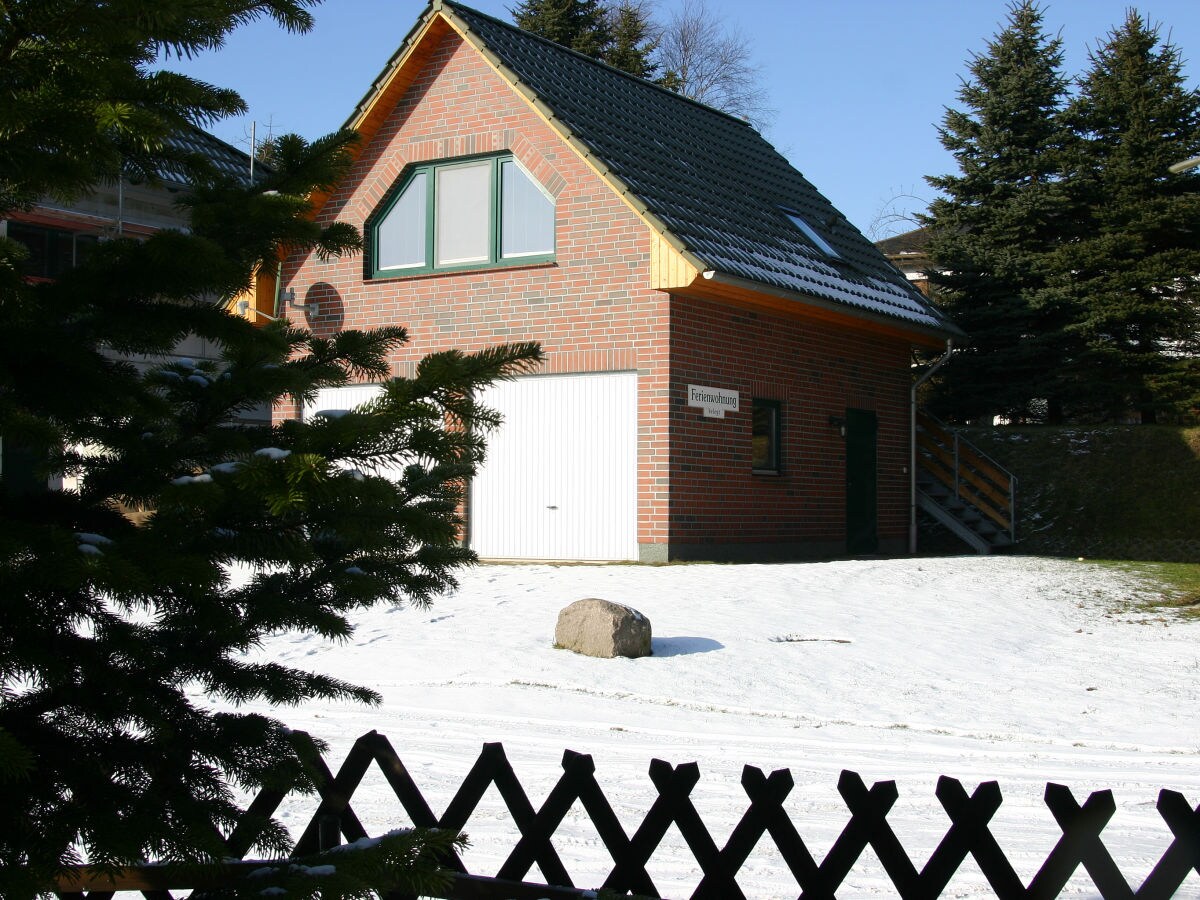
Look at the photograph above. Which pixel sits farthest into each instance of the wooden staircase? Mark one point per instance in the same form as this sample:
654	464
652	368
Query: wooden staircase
963	488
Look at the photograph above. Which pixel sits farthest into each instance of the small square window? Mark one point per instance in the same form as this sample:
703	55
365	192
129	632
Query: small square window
765	435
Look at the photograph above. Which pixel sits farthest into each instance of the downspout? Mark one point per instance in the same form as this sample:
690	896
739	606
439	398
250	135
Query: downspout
912	448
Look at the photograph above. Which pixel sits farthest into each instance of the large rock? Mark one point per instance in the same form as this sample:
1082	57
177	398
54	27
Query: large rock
601	628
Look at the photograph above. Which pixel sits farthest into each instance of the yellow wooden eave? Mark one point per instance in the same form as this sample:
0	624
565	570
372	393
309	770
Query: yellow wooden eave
672	265
399	74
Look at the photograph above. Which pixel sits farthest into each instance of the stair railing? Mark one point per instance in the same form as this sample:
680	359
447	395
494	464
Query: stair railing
973	477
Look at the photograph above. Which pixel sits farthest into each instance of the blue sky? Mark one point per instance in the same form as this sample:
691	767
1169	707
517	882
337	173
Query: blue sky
858	85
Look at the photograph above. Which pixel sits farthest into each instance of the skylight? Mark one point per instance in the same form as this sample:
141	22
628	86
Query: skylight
811	233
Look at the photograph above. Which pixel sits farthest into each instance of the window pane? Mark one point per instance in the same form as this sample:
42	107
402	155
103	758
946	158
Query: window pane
52	251
764	452
527	214
401	235
463	214
84	245
37	241
811	233
62	253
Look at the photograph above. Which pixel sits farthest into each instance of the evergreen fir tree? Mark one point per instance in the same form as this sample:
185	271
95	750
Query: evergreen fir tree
122	633
997	225
68	116
633	40
581	25
1128	274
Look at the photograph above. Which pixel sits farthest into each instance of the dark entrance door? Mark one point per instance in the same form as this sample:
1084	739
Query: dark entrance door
862	535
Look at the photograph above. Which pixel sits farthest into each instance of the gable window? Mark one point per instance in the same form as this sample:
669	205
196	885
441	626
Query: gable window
462	214
811	233
765	434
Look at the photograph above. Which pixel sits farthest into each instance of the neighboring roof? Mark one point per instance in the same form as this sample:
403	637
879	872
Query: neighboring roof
225	158
706	180
909	243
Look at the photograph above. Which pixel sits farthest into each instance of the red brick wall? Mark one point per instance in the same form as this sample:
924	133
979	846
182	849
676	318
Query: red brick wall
815	370
591	309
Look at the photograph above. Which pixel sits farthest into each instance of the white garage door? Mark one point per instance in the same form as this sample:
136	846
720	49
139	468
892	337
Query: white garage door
346	398
341	398
560	479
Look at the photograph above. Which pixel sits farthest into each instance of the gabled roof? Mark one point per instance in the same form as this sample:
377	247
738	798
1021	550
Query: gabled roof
716	191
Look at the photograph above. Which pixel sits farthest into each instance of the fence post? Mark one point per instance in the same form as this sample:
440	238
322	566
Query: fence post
1012	506
329	832
957	496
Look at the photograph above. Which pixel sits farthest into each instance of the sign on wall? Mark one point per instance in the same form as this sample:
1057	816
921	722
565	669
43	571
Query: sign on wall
714	401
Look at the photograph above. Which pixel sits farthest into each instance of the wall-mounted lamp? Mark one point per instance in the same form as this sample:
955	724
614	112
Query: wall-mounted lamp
243	307
1184	165
839	423
289	301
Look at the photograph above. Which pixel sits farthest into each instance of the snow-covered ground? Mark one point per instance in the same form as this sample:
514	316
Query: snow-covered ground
1019	670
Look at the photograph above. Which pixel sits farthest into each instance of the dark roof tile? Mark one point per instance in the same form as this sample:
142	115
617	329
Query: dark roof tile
713	181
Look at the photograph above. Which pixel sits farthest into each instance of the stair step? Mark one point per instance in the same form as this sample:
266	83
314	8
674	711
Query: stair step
960	510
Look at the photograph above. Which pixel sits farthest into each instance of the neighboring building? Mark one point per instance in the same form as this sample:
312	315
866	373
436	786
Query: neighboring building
59	235
908	253
727	370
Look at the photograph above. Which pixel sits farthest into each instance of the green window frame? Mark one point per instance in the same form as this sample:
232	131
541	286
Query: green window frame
461	214
766	437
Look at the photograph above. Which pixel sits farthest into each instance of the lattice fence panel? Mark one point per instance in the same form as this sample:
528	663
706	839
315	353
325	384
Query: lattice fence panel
765	819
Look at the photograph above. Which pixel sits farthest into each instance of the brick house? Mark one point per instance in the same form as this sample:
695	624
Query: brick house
60	234
728	358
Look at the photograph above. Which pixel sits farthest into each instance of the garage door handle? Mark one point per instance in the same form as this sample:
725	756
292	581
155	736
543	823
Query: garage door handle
551	507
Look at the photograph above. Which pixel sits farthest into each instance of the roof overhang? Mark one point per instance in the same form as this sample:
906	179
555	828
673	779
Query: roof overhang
730	289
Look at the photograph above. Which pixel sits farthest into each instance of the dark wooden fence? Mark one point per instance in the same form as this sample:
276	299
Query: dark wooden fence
969	835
